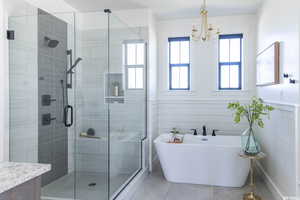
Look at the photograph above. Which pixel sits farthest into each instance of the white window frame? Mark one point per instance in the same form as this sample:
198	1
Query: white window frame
126	66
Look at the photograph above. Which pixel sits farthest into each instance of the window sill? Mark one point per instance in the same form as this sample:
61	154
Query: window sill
178	92
231	92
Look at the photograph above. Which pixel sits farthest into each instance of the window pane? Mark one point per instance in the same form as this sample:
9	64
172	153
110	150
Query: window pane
235	50
184	52
131	54
131	78
139	78
234	76
174	52
140	53
175	77
183	78
225	76
224	50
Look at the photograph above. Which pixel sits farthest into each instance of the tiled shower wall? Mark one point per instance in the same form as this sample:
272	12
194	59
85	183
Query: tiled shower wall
52	63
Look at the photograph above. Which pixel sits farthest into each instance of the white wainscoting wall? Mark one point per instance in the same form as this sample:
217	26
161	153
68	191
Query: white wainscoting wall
188	114
279	140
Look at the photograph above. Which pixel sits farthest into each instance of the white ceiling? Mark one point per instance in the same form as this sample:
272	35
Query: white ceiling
170	9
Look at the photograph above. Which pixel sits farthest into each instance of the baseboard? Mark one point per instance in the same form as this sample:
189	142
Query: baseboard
131	188
271	185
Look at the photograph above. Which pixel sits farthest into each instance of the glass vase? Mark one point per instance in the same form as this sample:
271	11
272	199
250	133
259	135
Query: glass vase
250	145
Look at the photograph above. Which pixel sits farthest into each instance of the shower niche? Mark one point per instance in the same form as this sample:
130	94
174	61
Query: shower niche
114	88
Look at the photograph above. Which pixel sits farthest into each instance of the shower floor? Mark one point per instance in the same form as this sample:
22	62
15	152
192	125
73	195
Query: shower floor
63	188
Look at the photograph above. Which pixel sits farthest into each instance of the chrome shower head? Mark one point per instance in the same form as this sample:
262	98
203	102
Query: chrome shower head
51	43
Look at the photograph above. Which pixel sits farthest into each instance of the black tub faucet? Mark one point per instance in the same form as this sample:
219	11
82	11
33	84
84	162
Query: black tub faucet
214	132
195	131
204	130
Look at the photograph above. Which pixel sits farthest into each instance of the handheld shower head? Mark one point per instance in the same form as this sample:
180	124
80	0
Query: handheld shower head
74	65
77	61
51	43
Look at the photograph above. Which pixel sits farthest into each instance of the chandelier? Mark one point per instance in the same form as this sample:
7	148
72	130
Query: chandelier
207	30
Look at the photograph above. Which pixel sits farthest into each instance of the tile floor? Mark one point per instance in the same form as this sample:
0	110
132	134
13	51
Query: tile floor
155	187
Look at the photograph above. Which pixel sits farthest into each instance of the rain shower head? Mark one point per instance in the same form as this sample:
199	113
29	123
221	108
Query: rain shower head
51	43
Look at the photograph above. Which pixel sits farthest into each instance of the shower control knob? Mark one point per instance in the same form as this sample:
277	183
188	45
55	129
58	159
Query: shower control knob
46	119
46	100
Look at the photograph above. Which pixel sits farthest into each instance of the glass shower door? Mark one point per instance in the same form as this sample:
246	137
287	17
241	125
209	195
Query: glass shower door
126	96
92	117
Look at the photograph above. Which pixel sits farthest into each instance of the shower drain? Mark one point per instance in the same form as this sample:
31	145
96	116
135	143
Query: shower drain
92	184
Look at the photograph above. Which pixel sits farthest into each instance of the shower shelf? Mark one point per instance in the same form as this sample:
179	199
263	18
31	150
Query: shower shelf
90	137
114	97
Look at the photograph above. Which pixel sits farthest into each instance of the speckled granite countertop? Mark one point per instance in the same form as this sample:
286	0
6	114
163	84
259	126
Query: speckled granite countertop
13	174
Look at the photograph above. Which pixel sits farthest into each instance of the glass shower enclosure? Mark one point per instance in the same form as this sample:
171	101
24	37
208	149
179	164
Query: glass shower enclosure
78	100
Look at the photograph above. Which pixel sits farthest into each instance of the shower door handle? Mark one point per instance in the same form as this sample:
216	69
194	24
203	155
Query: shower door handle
66	114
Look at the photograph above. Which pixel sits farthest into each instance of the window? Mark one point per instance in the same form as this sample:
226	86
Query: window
230	61
134	59
179	63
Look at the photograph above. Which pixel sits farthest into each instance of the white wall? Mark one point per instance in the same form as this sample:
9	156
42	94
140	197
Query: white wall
279	21
204	104
278	141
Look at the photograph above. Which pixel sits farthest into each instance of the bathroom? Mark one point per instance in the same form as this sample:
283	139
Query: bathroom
97	92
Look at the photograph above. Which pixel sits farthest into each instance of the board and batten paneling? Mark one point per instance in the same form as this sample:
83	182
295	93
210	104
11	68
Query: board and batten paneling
188	114
279	141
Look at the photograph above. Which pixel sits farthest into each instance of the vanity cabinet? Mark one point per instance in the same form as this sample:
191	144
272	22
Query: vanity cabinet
30	190
21	181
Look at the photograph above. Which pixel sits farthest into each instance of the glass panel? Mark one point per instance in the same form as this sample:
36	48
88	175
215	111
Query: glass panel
185	52
225	75
92	96
183	77
235	50
23	87
131	78
139	78
38	61
224	50
234	76
175	77
140	53
131	54
127	112
174	52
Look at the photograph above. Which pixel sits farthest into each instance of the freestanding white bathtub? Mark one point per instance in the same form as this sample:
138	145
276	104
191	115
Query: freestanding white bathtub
207	160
